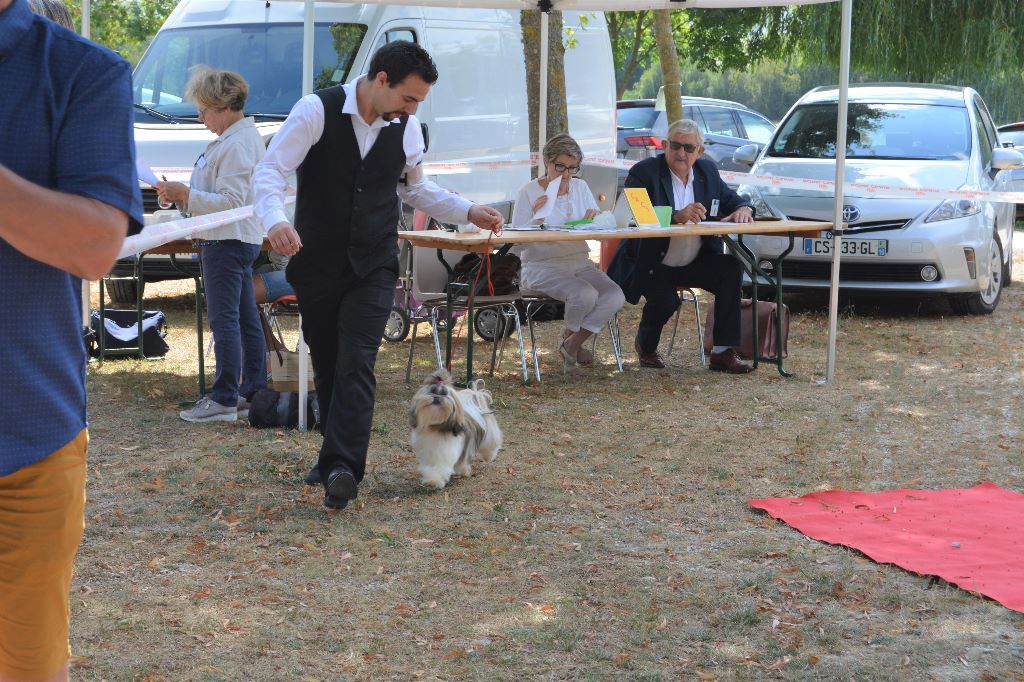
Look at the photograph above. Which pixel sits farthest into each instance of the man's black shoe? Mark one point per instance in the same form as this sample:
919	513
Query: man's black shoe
335	502
313	477
340	487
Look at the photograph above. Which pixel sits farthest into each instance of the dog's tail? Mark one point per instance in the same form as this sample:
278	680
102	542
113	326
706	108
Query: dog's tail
481	396
440	376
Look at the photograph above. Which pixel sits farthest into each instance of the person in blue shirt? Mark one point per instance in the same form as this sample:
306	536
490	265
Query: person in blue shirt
68	195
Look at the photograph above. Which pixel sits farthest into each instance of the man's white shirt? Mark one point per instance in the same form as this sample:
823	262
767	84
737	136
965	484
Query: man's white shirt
681	250
303	128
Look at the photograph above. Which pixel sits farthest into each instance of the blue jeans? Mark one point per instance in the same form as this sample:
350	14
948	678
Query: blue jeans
237	333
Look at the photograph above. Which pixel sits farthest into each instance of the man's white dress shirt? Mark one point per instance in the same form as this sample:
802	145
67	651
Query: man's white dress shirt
681	250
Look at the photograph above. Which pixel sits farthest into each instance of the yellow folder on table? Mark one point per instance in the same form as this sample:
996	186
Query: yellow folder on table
641	206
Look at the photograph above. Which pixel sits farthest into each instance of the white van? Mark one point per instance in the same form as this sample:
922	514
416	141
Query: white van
477	111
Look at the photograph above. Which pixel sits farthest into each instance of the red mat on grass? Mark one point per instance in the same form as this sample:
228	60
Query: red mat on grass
971	537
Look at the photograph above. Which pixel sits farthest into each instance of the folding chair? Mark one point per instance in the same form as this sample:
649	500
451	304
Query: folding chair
535	299
687	295
429	280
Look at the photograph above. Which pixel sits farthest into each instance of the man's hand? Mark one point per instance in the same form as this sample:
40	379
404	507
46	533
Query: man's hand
743	214
172	192
694	213
284	239
485	217
591	213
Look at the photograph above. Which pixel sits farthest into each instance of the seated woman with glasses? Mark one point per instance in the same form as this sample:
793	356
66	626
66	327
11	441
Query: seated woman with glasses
563	270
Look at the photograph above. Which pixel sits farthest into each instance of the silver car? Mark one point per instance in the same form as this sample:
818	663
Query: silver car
902	135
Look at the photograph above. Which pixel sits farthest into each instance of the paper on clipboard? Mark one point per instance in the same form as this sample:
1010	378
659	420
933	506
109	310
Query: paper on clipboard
551	193
146	173
641	206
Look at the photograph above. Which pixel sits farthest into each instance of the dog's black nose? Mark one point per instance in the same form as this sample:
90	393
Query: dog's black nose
436	400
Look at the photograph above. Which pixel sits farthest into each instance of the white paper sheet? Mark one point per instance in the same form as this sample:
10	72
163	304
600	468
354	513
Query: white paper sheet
146	173
551	193
718	222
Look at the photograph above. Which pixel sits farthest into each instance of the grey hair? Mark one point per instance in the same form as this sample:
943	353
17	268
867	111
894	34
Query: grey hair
686	126
560	144
54	10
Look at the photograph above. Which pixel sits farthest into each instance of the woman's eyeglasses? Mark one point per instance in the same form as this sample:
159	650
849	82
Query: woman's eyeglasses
561	168
685	146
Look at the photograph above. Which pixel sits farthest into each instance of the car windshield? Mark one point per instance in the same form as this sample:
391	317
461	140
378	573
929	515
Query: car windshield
637	117
269	57
888	131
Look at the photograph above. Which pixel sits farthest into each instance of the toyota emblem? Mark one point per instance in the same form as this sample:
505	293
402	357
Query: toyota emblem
851	214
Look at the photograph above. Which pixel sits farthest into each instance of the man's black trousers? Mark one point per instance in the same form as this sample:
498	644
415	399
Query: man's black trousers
719	273
343	320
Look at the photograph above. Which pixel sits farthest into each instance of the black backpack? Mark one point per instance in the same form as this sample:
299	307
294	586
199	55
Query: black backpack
271	409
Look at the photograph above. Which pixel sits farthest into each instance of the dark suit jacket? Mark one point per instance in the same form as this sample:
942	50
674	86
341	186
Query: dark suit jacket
633	265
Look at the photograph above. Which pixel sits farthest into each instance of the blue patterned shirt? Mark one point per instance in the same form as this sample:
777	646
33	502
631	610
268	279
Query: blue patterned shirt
65	124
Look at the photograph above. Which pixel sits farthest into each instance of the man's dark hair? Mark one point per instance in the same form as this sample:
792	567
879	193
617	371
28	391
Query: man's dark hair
400	58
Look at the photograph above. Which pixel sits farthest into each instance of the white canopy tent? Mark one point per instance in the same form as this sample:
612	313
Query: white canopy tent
635	5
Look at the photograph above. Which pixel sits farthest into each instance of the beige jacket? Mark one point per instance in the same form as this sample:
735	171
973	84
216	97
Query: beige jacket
221	180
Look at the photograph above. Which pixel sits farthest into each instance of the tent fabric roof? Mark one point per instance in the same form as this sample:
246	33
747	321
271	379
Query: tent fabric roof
596	5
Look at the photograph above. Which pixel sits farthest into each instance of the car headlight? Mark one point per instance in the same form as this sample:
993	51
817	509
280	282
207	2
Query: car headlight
761	207
953	208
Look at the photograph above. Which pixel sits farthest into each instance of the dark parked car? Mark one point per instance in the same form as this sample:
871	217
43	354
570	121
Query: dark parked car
727	125
1011	135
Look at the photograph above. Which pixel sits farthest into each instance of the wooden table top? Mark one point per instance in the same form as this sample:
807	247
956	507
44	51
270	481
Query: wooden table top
484	241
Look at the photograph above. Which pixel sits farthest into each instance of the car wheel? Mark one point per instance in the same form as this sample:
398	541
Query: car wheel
490	324
397	327
984	302
122	291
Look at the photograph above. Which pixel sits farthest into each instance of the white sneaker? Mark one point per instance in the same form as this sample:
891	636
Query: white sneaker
243	408
207	410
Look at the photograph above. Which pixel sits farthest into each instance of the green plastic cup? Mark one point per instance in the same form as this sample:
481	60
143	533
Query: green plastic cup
664	214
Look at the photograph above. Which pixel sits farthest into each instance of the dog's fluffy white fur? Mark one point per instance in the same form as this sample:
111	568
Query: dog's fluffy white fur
451	428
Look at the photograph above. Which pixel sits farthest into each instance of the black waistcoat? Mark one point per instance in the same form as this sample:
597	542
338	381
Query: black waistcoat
347	207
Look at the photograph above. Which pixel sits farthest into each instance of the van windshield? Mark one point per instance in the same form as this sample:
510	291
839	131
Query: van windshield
269	57
875	131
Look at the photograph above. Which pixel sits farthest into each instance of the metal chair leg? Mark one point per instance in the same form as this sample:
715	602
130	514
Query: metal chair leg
437	337
613	332
412	350
533	341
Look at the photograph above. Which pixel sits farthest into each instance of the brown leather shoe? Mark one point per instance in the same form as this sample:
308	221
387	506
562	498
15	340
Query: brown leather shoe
652	360
729	361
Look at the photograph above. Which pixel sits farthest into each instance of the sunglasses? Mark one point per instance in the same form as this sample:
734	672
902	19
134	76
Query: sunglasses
561	168
685	146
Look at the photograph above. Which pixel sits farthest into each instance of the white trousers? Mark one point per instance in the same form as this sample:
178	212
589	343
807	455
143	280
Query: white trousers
591	298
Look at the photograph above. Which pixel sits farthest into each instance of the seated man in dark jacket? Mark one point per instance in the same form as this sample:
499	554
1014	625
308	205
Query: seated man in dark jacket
654	268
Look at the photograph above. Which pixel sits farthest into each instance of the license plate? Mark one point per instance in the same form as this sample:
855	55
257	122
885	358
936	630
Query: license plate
847	247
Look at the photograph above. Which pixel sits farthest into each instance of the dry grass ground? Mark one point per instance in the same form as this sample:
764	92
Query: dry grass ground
610	540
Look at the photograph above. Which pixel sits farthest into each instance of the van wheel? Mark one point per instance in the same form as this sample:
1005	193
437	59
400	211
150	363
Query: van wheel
984	302
123	291
397	327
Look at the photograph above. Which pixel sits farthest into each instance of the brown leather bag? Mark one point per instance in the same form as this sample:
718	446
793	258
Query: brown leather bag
766	314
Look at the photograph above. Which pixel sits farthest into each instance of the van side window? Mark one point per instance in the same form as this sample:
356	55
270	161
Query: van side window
392	35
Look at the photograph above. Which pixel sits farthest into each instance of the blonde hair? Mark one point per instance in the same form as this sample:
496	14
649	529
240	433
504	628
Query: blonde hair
560	144
217	88
686	126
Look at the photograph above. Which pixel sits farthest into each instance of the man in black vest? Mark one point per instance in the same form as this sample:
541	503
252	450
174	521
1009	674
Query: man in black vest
351	146
655	268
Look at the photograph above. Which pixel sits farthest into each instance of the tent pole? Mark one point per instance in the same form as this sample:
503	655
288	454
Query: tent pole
837	232
307	88
542	100
87	19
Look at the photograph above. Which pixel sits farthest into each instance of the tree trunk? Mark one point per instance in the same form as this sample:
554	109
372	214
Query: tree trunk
557	115
669	64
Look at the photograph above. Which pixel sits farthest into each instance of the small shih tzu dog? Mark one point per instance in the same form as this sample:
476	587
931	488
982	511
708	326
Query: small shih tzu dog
451	428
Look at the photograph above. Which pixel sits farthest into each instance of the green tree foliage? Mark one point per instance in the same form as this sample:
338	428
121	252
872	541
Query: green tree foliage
126	26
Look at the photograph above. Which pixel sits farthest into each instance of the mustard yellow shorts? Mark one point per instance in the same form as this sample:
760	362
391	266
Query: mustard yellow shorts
41	524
